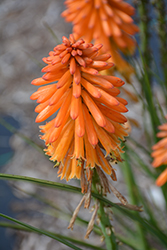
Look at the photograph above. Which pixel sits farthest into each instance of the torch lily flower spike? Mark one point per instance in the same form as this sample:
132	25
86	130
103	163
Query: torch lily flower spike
108	22
87	123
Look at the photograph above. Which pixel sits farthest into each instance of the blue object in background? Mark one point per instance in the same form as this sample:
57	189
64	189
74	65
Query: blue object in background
6	195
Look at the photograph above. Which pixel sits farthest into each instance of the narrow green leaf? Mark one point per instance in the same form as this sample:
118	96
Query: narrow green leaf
133	193
139	161
17	227
145	150
52	32
25	138
57	212
157	233
40	231
131	242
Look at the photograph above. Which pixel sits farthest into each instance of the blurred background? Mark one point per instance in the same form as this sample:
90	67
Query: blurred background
26	29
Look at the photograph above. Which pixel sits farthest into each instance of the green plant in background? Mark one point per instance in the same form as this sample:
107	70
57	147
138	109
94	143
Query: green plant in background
141	224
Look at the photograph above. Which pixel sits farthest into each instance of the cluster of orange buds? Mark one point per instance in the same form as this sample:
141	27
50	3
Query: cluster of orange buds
106	21
160	154
87	124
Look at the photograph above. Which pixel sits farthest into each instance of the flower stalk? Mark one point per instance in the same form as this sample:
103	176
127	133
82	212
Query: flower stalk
162	33
143	7
106	227
133	193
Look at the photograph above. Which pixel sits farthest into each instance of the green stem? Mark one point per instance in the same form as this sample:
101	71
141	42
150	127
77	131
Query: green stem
147	91
162	32
133	193
106	227
145	53
143	8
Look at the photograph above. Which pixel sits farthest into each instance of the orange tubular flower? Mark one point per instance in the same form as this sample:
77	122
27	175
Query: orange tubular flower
160	154
106	21
88	120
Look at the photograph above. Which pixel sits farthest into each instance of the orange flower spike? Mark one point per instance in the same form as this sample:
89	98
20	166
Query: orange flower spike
65	78
111	14
91	133
108	22
79	100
